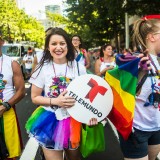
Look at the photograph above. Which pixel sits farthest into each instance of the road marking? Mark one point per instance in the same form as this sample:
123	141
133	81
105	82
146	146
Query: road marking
30	150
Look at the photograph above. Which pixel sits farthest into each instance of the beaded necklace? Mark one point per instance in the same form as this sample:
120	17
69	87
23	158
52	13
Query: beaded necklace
59	84
55	71
2	83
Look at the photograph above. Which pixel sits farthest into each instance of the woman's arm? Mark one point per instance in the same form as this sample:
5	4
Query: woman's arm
97	67
87	60
18	82
61	100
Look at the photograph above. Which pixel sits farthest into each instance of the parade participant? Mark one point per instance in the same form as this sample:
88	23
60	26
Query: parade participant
81	54
51	124
144	141
12	90
28	62
106	60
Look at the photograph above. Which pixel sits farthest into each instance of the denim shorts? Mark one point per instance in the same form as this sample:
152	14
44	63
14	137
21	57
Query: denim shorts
137	144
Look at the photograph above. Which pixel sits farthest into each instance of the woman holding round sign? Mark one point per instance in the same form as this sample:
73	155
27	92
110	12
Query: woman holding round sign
51	124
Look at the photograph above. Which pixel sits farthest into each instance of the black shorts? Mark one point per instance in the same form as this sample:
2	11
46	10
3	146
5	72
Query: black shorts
137	144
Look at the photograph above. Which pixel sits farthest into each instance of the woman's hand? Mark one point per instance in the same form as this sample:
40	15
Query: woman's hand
110	67
92	122
145	61
65	101
2	110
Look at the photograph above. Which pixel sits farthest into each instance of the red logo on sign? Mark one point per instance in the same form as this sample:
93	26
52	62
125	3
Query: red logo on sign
95	89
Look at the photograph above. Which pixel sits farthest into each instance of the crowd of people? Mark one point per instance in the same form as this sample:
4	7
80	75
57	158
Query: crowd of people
62	60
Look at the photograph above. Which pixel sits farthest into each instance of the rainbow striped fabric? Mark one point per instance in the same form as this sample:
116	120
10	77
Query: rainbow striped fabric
10	130
81	54
53	133
123	81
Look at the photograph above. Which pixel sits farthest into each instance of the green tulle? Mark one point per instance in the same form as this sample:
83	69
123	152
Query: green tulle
33	118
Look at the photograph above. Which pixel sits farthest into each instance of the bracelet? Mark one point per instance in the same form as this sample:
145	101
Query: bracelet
50	102
6	105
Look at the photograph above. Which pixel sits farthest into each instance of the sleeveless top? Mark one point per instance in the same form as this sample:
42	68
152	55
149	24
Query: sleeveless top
6	69
106	64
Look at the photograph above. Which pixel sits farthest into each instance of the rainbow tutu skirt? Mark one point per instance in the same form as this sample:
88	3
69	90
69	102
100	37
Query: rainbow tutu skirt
52	133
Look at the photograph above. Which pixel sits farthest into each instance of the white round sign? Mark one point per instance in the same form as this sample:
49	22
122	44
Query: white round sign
94	98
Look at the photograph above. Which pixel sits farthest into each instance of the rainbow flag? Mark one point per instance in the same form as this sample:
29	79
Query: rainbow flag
81	54
123	81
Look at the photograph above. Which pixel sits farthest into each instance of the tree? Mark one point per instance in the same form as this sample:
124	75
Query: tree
94	15
16	25
57	20
104	19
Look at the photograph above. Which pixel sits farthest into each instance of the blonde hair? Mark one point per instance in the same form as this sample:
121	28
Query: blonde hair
142	28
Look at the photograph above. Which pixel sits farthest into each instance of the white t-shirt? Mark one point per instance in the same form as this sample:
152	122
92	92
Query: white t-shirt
147	118
45	78
29	59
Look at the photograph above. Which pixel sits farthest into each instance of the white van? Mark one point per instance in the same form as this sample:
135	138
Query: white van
16	51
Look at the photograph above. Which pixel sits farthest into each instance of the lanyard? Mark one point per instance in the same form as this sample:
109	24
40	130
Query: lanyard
55	70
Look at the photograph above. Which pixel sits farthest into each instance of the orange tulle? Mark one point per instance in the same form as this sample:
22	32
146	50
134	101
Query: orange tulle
75	132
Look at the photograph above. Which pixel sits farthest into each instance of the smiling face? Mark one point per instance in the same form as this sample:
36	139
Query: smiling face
76	41
58	49
108	51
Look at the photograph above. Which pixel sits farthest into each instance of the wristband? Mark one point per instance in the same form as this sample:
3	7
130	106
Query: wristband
6	105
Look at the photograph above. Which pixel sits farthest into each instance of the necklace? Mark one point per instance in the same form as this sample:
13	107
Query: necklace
59	84
2	83
55	71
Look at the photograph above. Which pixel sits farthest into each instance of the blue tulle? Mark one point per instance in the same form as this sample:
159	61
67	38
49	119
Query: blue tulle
43	128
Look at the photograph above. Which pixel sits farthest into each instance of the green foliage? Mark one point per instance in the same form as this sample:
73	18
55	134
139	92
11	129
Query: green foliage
57	20
143	7
92	20
99	21
17	26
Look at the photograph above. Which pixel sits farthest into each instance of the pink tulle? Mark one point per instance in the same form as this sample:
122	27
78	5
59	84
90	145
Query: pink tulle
62	134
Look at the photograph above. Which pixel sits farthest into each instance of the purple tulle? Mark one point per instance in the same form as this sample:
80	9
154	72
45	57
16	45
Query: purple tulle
62	134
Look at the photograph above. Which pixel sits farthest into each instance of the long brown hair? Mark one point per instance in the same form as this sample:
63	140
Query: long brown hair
46	53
